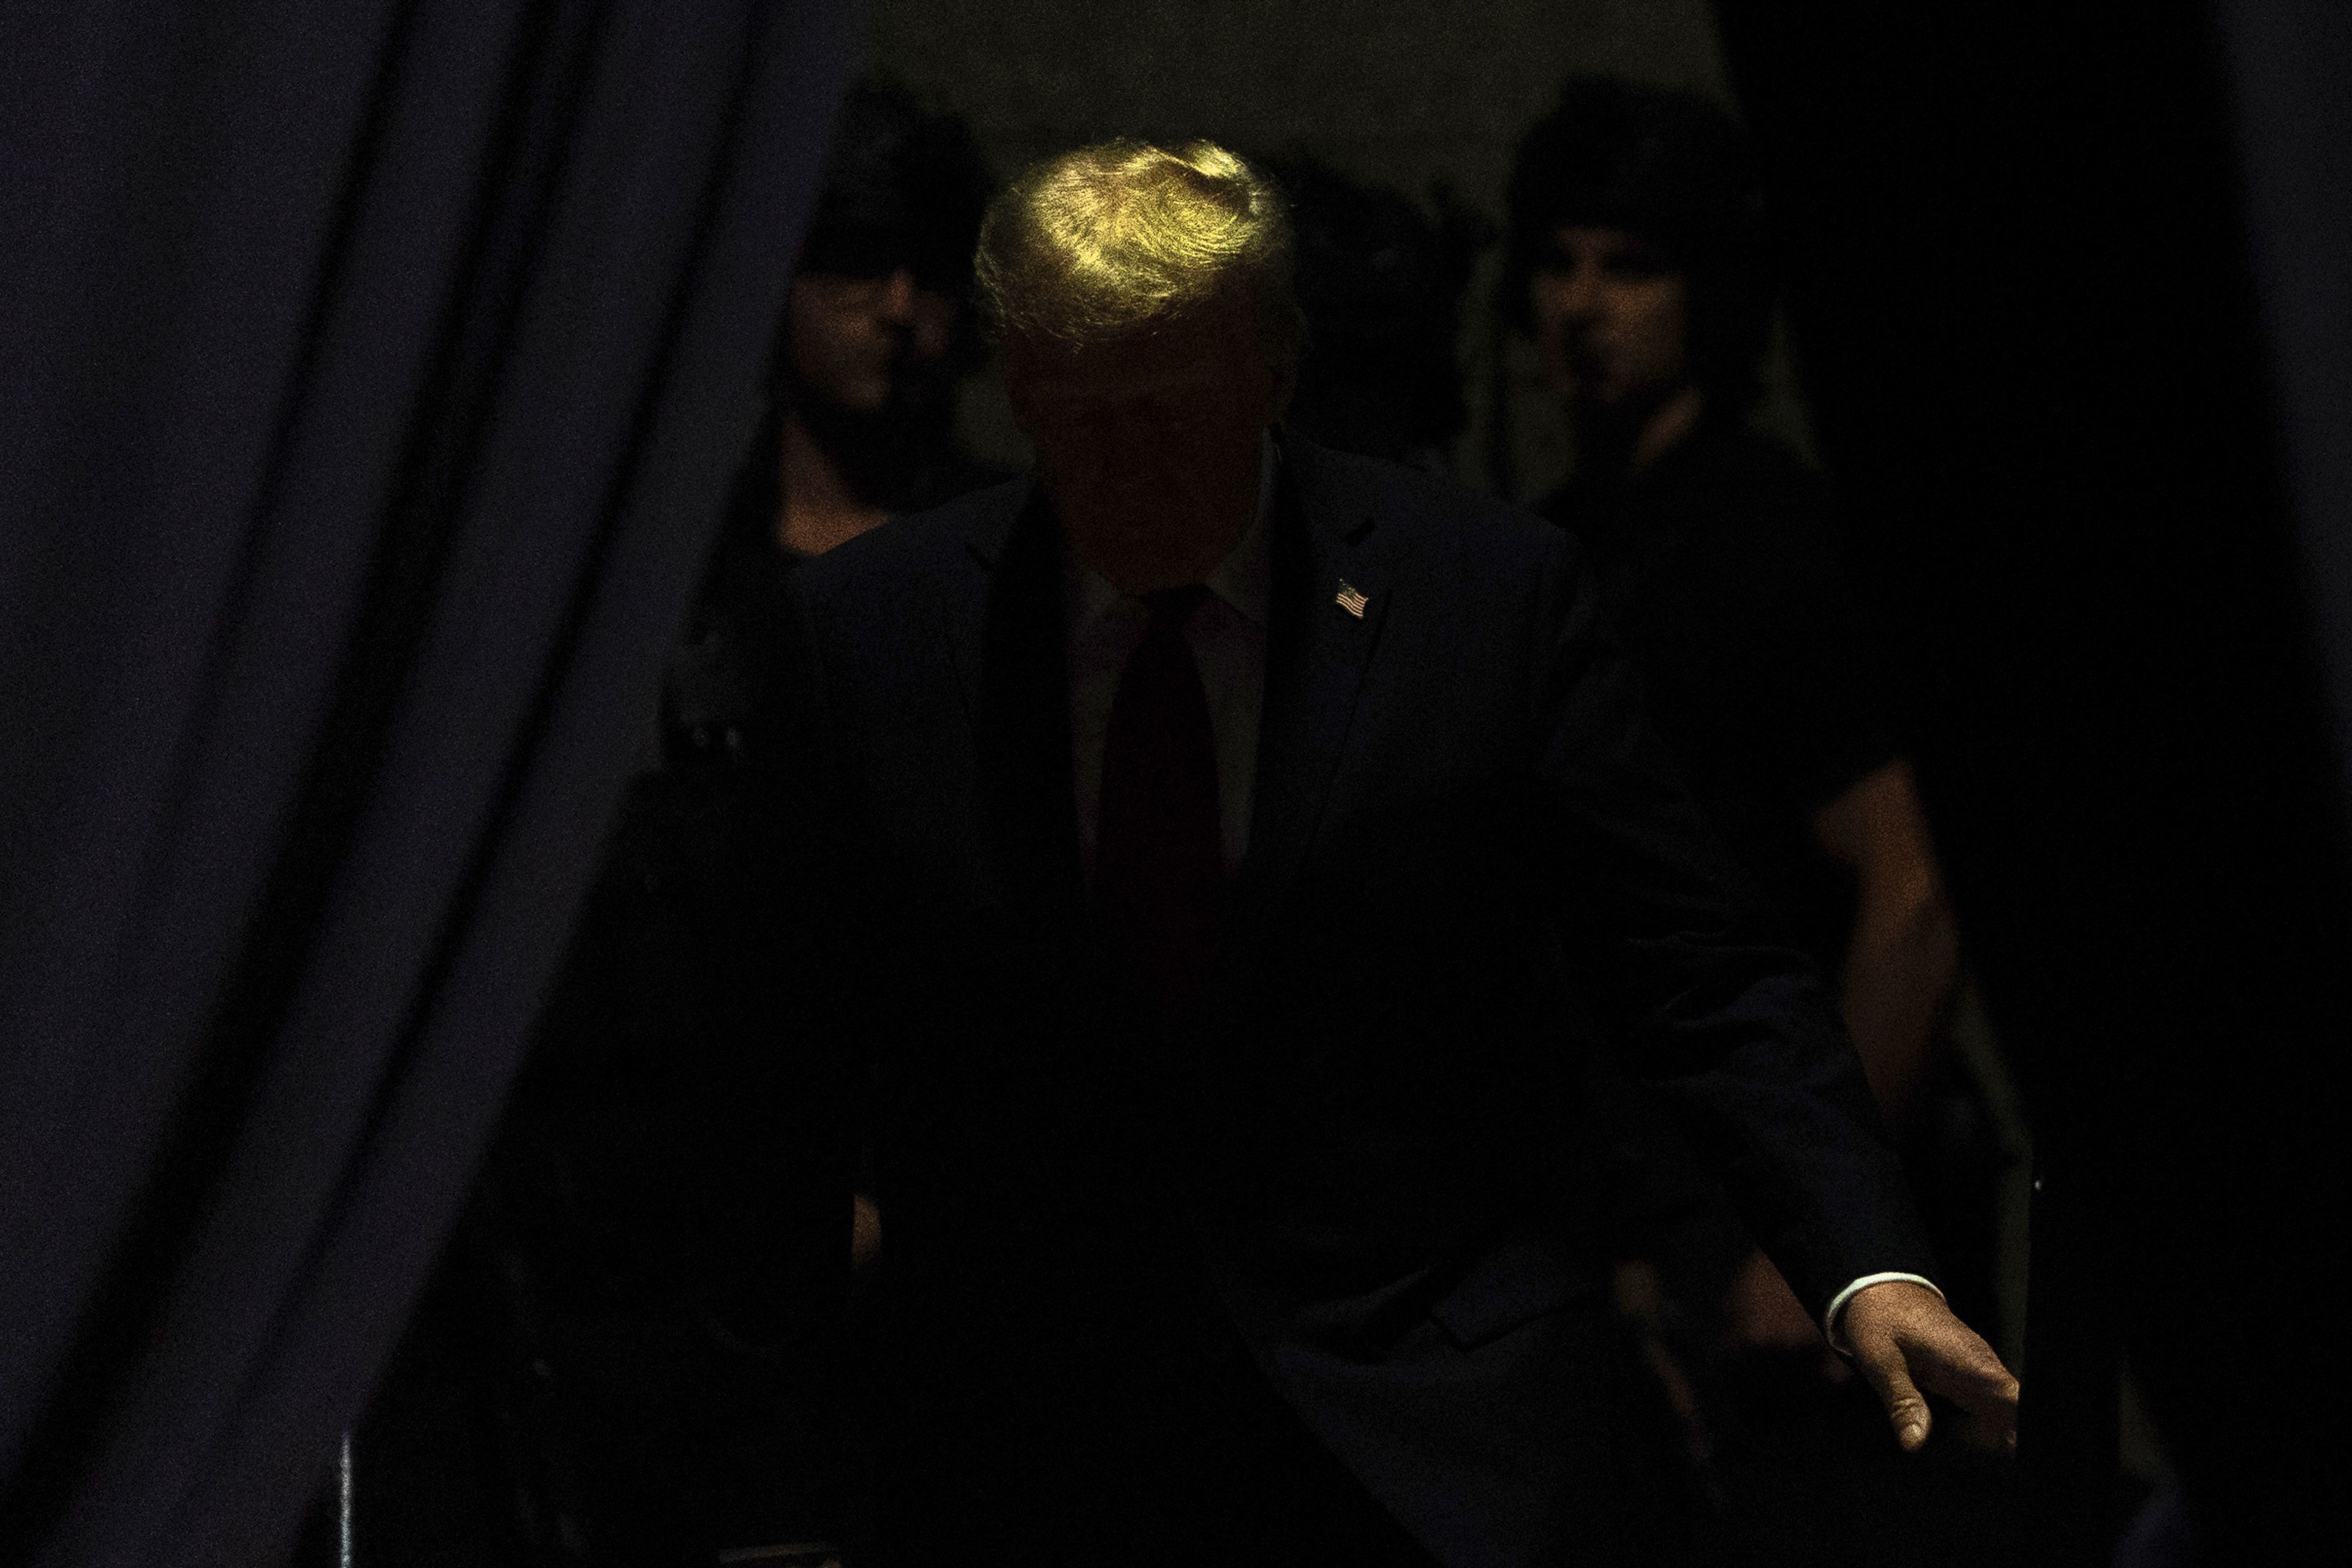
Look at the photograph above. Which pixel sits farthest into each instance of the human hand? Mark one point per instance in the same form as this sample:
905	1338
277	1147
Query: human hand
1760	1312
1904	1340
864	1232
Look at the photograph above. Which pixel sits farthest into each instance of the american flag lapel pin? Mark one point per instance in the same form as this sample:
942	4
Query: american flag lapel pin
1350	600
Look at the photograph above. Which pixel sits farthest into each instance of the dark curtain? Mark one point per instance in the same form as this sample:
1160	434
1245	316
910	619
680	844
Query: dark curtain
373	376
2289	61
2069	288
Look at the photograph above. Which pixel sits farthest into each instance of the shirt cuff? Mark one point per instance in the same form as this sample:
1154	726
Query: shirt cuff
1837	1302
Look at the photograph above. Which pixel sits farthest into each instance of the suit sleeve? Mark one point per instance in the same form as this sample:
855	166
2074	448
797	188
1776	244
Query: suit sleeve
1700	997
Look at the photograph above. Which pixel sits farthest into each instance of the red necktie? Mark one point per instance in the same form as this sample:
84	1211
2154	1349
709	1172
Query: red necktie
1158	852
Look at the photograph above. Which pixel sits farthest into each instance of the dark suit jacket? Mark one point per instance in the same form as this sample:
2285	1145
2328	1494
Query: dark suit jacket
1470	870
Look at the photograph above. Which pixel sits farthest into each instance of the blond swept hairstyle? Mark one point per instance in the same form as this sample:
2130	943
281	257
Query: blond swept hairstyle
1112	239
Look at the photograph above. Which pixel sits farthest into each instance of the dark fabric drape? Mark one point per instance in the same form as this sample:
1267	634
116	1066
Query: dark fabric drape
373	376
2288	61
2069	287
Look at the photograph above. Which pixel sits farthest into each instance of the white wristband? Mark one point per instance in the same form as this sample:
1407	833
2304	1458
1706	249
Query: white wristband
1837	1302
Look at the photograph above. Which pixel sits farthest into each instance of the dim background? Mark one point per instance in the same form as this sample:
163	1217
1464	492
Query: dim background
1407	93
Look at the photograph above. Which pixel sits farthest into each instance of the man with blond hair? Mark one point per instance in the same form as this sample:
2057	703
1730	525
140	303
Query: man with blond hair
1245	851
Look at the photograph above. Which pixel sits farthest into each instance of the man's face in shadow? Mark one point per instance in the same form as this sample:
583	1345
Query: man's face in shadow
870	345
1149	446
1611	317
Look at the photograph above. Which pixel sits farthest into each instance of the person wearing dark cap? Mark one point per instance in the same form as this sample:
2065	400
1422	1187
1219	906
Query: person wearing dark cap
1638	262
631	1355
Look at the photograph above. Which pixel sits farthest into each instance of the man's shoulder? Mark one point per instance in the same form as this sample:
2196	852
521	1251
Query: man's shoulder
1767	519
950	538
1432	515
1739	478
1741	499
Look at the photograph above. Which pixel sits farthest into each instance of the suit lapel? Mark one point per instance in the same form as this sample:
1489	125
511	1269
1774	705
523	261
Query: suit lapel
1329	595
